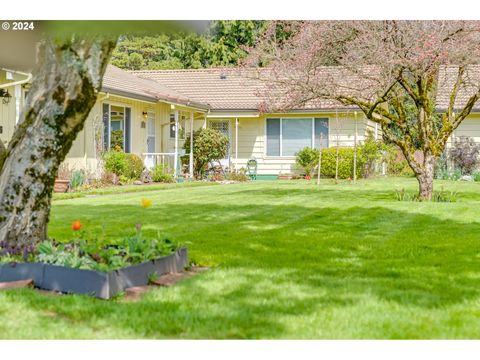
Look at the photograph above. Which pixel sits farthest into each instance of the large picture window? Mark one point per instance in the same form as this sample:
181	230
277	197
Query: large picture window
286	136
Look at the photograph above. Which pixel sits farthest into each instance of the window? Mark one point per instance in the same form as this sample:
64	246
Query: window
116	121
117	134
286	136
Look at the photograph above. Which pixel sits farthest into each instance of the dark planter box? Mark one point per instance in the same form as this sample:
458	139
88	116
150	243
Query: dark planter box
99	284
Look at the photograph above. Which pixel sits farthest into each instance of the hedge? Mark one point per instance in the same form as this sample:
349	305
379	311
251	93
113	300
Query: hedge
345	163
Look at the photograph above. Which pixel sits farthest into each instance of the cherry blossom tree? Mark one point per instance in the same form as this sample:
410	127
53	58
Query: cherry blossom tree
417	79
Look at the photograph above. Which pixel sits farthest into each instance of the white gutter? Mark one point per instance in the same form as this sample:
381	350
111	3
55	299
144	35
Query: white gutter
19	82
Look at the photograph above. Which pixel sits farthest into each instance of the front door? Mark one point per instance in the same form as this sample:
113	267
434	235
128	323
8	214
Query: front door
222	126
149	159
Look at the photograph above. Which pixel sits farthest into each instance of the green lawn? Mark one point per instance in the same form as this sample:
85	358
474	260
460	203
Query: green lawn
289	260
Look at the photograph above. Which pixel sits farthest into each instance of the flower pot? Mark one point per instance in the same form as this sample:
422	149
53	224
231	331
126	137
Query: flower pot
61	186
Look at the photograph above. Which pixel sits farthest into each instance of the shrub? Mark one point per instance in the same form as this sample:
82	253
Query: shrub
476	176
369	152
78	179
161	173
399	168
208	145
125	165
237	175
465	154
115	162
307	159
396	163
441	168
345	163
135	166
455	175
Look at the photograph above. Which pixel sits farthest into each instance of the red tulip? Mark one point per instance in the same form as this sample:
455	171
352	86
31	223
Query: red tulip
76	225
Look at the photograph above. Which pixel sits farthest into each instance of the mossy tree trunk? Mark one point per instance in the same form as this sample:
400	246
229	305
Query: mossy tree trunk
64	89
425	179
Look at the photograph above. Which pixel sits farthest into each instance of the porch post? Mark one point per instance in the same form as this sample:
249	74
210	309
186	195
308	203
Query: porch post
205	122
175	159
236	142
190	162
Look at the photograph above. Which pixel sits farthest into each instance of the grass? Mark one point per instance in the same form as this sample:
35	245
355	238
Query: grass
289	260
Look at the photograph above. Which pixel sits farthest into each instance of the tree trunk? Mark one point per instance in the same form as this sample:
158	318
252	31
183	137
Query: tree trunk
425	178
64	89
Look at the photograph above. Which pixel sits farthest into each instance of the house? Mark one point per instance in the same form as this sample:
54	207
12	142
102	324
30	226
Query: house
272	139
150	113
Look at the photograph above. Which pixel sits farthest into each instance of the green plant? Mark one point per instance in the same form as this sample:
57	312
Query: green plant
135	166
115	162
444	196
237	175
95	255
456	175
162	173
402	195
437	196
369	153
116	139
476	176
441	167
67	255
308	159
396	163
208	145
137	249
125	180
78	179
345	165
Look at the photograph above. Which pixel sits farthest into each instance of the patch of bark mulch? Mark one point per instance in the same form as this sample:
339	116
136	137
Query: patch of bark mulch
137	292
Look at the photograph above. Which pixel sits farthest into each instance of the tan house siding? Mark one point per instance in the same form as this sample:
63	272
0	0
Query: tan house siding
83	156
252	139
469	127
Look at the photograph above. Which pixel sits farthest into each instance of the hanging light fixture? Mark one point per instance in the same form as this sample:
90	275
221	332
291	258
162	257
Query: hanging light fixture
5	95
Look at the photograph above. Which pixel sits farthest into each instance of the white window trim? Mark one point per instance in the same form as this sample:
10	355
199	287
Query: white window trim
124	106
286	157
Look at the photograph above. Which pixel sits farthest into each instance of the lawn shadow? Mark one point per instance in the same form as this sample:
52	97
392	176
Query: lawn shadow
272	261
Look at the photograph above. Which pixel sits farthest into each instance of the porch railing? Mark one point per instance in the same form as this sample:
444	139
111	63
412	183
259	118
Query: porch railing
152	159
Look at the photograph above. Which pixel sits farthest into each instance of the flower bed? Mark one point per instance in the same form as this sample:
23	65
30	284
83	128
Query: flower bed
98	267
102	285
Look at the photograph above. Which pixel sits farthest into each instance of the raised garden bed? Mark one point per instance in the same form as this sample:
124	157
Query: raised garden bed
102	285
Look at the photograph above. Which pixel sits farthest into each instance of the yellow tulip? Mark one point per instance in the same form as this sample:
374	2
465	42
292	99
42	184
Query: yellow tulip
146	203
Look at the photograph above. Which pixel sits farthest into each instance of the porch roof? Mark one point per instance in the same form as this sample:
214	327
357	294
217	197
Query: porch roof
121	82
